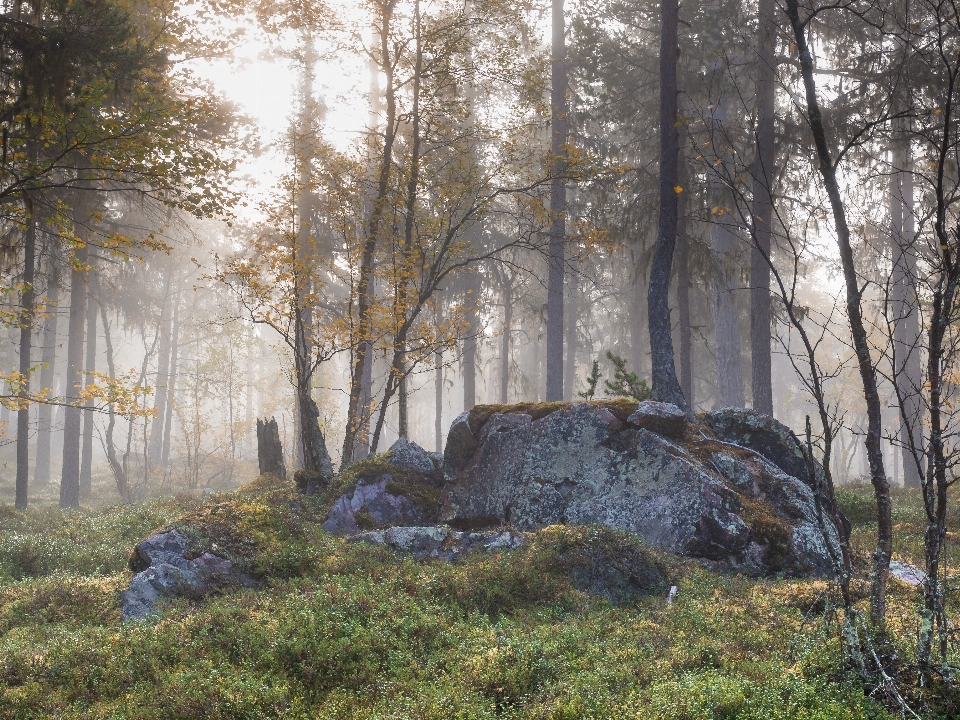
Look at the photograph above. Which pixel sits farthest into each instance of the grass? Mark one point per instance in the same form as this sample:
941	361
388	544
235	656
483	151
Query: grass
343	630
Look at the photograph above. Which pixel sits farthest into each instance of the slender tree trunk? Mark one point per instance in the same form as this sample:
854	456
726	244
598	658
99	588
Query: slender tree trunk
903	281
570	365
868	376
438	389
171	383
666	388
683	301
119	471
26	337
86	460
505	340
762	211
70	473
469	360
558	208
163	377
364	304
48	356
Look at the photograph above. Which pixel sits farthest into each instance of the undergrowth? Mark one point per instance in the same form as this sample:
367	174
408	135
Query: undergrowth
343	630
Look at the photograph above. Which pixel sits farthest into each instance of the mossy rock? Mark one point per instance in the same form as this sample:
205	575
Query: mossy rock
622	408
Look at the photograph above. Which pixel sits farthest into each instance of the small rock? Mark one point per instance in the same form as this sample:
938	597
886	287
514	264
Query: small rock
165	573
659	417
409	455
370	503
910	574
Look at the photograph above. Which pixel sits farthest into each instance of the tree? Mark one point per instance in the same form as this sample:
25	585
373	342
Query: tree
666	387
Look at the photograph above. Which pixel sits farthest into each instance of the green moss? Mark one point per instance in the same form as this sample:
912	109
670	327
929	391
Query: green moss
622	408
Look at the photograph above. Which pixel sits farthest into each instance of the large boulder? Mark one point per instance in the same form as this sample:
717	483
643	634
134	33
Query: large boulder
680	489
762	434
164	571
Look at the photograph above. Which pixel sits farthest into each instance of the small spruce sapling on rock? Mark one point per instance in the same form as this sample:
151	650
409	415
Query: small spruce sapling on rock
592	379
625	383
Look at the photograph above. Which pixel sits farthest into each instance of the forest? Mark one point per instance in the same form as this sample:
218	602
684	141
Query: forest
474	218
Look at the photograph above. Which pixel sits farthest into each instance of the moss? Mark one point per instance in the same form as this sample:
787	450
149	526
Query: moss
622	408
768	528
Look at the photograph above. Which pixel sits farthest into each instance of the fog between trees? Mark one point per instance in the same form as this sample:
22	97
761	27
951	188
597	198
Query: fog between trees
488	235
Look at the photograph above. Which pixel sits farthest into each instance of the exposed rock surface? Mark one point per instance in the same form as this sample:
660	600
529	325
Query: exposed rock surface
762	434
659	417
166	572
402	487
441	541
686	493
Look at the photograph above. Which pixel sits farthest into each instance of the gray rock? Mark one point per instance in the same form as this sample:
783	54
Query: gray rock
659	417
441	542
580	465
910	574
460	443
165	573
370	503
411	456
762	434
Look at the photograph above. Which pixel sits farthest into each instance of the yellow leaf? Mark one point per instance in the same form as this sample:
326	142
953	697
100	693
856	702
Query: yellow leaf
677	189
937	111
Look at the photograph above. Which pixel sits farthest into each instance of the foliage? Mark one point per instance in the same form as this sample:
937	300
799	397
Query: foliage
343	630
592	379
625	383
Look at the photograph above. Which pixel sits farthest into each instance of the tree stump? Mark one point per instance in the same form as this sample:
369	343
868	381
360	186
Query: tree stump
269	449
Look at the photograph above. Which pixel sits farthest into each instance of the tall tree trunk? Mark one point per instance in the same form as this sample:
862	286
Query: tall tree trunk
683	300
86	460
666	388
868	376
364	301
469	359
570	365
171	382
70	473
163	376
26	337
118	470
507	285
762	212
48	356
903	281
558	208
438	388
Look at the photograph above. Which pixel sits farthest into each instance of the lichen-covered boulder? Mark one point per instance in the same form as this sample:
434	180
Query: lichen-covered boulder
762	434
164	572
688	493
659	417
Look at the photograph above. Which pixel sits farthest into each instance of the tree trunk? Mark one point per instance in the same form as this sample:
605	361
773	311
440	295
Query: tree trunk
163	377
666	388
762	211
507	285
70	473
683	302
878	477
469	360
269	448
558	209
48	356
906	325
438	389
364	305
26	337
171	383
86	460
118	470
570	365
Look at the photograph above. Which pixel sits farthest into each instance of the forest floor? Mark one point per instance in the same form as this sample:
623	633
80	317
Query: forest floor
344	630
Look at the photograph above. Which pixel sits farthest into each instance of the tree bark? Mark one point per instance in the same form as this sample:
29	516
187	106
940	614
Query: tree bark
26	319
507	287
570	364
172	382
118	470
86	460
868	376
469	360
683	302
48	356
70	473
163	377
666	388
558	208
364	284
762	211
